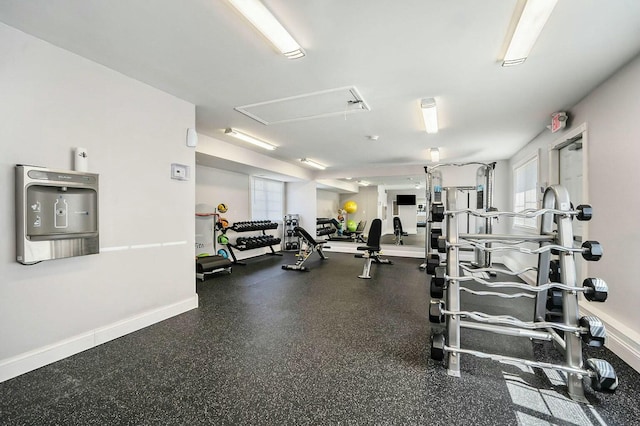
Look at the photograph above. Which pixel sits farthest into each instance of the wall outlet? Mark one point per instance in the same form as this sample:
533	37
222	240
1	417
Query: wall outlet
179	171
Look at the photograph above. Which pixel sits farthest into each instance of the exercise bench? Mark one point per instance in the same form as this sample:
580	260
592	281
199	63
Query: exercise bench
308	245
372	249
398	232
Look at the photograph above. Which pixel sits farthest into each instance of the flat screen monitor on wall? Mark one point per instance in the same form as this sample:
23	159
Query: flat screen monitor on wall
405	200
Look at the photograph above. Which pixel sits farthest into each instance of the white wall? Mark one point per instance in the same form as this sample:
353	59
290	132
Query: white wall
301	199
611	114
53	100
215	186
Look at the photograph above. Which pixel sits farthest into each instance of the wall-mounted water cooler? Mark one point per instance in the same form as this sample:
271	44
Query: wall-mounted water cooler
56	214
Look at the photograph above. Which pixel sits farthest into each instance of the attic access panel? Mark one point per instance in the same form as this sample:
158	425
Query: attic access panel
340	101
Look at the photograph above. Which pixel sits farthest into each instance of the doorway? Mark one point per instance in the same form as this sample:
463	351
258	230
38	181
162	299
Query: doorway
568	168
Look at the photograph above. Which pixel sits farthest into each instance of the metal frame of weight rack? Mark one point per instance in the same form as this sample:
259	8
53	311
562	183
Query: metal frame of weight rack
290	240
556	209
252	226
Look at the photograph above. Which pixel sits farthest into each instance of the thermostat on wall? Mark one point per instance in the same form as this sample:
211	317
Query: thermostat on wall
179	171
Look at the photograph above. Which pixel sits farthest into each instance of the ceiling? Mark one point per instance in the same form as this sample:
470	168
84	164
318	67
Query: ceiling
393	53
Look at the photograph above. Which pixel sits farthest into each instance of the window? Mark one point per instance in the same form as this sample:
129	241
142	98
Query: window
525	191
267	199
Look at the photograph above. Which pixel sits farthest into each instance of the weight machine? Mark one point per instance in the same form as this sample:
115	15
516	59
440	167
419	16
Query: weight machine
565	333
485	178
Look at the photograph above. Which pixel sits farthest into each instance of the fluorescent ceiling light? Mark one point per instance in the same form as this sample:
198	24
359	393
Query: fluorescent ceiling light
435	155
430	115
313	164
260	17
533	17
243	137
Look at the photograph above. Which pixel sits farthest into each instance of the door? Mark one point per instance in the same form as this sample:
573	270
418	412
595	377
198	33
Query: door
570	176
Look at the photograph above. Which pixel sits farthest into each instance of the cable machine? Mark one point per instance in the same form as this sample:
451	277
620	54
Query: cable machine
485	178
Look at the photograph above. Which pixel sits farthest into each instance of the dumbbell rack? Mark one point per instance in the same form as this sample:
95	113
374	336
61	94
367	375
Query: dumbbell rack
565	334
255	242
325	226
291	240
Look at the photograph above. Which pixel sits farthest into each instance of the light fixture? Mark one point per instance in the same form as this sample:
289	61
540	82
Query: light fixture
531	18
313	164
430	115
435	155
243	137
363	183
260	17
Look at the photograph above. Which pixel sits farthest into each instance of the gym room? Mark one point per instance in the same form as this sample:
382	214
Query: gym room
384	213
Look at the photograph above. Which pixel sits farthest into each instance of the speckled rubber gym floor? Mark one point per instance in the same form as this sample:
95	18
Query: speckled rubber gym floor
274	347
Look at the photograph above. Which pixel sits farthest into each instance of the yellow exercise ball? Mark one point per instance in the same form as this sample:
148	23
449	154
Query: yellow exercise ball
351	207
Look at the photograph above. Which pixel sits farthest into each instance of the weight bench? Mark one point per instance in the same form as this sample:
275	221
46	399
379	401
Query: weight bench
208	265
397	231
309	244
372	249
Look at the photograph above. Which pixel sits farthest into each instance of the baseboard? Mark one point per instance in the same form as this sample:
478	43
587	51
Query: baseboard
621	340
28	361
530	277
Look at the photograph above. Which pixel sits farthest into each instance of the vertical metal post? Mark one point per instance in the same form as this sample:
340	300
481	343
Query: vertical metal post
453	285
427	229
557	197
488	206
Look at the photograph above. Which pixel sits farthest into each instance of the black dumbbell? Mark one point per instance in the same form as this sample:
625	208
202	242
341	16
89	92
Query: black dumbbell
442	245
594	333
435	233
554	271
433	261
598	289
592	251
437	347
435	291
554	300
437	212
585	212
604	376
439	276
435	312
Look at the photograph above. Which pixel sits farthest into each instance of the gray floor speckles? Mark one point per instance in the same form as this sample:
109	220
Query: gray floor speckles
275	347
